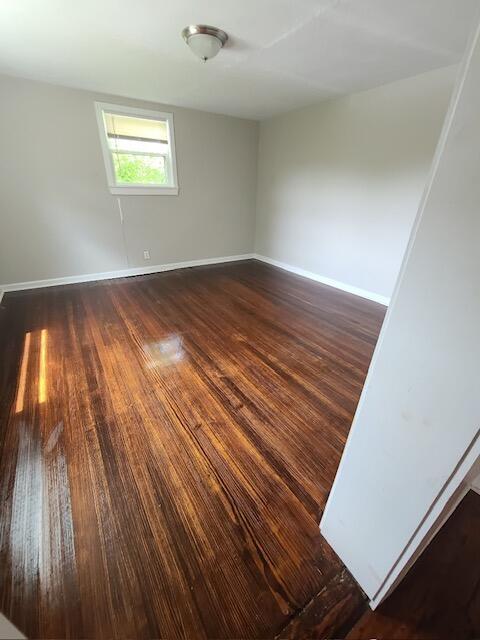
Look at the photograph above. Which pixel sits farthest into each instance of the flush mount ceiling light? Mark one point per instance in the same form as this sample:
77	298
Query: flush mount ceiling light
204	41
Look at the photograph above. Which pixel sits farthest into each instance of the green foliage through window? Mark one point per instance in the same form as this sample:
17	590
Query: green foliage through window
139	169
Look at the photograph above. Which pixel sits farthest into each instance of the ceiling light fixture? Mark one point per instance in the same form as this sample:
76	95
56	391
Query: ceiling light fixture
204	41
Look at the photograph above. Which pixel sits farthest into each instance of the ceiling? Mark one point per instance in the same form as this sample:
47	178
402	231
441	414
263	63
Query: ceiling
282	54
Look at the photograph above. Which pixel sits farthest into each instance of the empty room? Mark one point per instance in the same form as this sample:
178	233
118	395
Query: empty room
239	310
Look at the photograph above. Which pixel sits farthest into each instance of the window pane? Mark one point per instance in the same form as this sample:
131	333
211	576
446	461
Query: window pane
139	169
142	146
138	149
128	133
132	126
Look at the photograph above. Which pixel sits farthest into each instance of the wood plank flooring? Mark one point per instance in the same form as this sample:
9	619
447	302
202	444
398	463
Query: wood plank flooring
167	444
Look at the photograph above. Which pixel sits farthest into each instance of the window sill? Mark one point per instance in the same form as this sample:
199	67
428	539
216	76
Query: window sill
144	191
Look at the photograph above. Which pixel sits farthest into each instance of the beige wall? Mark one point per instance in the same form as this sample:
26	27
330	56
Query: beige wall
339	183
57	216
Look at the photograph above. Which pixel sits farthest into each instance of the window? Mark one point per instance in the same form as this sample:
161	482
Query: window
138	149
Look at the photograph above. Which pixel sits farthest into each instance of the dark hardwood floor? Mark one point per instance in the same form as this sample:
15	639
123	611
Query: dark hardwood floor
168	443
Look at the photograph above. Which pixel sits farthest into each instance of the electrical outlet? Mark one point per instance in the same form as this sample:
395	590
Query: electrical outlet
146	255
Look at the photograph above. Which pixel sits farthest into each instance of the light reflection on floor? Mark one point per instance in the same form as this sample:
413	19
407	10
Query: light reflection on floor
165	352
41	505
23	374
32	341
42	374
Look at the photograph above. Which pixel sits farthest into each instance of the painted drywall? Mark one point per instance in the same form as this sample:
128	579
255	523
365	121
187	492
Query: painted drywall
418	417
57	216
339	183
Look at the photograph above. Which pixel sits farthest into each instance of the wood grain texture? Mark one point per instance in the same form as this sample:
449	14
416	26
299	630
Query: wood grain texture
330	614
439	599
166	458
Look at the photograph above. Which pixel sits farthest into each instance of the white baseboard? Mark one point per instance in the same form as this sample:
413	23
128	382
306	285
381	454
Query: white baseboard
140	271
120	273
376	297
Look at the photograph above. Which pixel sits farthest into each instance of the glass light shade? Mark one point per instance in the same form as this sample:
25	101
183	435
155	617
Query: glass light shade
204	46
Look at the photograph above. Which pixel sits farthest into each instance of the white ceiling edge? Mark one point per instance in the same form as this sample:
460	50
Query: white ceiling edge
449	70
102	95
105	96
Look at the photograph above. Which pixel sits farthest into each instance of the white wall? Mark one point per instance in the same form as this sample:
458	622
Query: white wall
57	216
419	414
339	183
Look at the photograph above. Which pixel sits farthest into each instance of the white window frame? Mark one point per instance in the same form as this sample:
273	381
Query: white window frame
116	188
